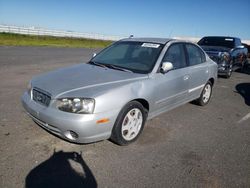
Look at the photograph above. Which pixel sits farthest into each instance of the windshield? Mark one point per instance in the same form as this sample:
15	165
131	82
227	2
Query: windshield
138	57
217	41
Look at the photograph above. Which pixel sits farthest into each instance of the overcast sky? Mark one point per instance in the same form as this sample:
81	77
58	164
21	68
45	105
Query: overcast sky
151	18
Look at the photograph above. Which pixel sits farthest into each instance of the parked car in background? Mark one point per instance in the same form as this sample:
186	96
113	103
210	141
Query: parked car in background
114	94
227	52
248	49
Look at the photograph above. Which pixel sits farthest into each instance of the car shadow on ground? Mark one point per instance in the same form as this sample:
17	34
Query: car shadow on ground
57	171
244	90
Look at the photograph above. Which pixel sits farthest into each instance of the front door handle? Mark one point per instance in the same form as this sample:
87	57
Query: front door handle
186	77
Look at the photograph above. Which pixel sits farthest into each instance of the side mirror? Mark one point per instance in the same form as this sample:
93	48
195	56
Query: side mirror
166	66
93	55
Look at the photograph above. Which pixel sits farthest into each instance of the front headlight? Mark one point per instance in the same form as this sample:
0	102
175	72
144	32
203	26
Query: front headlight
76	105
224	56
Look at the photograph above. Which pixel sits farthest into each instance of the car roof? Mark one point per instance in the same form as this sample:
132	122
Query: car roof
221	37
151	40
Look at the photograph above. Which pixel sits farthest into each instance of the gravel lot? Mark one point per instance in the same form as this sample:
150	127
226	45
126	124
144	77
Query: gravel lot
190	146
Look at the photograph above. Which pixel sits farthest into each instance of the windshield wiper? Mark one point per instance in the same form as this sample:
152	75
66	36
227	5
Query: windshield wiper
109	66
117	68
97	64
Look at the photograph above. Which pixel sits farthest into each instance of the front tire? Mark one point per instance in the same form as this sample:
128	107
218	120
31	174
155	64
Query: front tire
129	123
230	71
205	94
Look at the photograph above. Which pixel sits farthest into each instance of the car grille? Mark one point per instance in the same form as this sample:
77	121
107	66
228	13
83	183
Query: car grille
40	96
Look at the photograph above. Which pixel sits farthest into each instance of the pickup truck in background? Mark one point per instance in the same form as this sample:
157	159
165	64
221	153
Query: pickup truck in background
227	52
248	49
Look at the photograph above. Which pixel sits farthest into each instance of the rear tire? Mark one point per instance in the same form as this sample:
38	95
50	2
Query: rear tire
129	123
205	94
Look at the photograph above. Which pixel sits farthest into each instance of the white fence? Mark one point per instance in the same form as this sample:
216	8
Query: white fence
56	33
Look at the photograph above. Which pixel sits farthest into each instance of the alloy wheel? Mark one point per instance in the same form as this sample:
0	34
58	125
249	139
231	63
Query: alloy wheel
206	93
132	124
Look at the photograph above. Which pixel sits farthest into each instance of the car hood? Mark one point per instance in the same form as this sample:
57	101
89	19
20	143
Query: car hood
82	76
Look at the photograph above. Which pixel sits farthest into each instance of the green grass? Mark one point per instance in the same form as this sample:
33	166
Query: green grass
8	39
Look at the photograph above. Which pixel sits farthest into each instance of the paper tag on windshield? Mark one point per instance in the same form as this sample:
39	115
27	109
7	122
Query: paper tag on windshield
150	45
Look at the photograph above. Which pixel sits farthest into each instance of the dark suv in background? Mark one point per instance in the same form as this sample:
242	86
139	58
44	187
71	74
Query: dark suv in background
227	52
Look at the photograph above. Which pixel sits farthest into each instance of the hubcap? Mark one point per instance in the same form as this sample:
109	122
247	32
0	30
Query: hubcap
132	124
206	93
230	70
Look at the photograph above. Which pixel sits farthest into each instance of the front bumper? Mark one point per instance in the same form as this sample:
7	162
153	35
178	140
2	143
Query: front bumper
223	69
60	123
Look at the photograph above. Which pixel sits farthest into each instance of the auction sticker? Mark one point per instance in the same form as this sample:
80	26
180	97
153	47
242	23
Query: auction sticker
150	45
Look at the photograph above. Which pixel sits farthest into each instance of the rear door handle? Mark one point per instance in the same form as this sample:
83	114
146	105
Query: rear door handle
186	77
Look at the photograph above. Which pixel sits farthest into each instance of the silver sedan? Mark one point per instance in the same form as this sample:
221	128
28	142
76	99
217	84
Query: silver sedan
121	87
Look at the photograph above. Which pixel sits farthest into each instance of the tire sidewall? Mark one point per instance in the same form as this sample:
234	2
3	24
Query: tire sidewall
116	135
202	93
230	71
